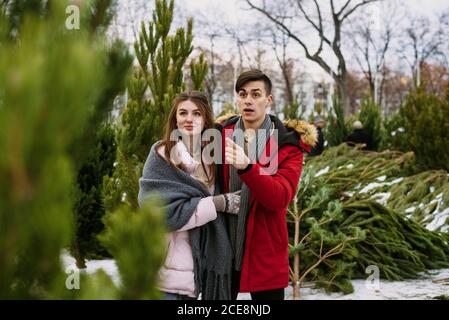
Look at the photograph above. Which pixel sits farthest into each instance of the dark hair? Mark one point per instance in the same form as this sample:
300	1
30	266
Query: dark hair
201	101
253	75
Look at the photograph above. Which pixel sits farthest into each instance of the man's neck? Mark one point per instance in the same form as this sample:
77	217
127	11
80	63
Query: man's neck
253	125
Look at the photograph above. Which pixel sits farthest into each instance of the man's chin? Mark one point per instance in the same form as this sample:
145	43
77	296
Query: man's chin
248	118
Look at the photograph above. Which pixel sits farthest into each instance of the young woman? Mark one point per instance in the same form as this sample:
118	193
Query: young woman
199	256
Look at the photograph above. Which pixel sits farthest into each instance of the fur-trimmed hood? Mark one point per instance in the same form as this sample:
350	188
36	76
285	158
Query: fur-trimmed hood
296	132
307	131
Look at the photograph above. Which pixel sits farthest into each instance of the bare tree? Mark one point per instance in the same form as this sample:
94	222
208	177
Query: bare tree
127	22
285	64
316	15
211	57
371	37
422	41
443	55
247	57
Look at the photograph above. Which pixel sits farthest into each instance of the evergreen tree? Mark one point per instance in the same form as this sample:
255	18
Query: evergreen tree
42	109
228	109
393	133
154	85
50	85
426	128
198	73
89	159
95	19
336	131
136	242
371	118
89	208
293	111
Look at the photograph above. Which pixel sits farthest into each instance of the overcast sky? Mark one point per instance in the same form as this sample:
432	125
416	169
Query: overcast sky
234	12
234	7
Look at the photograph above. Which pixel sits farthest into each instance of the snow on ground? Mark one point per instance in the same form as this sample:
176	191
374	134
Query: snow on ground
419	289
108	265
410	210
372	185
437	220
322	171
382	197
396	180
427	287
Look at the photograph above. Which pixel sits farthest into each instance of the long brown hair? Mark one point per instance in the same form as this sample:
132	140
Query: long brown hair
202	103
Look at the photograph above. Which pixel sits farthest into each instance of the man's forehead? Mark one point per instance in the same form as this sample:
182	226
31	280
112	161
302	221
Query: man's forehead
253	86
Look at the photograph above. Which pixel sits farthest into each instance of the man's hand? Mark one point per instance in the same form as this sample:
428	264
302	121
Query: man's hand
235	155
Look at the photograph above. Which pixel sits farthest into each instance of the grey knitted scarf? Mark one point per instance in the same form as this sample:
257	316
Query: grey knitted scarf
211	247
237	227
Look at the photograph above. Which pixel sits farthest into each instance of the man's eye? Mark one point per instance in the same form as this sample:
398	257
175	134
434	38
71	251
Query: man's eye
256	95
242	94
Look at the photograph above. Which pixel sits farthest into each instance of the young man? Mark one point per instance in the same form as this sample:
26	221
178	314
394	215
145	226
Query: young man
259	232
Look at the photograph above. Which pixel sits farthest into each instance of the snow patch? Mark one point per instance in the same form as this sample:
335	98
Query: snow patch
410	210
439	219
108	265
322	171
382	197
396	180
381	178
371	186
426	287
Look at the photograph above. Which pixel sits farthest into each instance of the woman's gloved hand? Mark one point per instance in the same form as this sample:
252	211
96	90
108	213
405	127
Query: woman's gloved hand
227	202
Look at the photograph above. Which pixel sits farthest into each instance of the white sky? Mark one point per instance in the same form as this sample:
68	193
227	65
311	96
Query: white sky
234	12
232	6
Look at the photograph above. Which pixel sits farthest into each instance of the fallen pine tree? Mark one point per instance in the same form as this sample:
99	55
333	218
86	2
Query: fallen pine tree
340	226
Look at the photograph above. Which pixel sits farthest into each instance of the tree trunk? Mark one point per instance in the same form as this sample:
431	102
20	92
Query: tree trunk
79	257
295	280
342	94
296	284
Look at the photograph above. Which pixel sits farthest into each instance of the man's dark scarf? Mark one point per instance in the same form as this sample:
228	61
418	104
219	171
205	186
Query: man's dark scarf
211	248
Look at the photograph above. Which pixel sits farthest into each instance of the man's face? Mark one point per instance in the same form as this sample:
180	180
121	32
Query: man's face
253	102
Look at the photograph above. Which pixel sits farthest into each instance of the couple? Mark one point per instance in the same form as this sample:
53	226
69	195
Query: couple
227	220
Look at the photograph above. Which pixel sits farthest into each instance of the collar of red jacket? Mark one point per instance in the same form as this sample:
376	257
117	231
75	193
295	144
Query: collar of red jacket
292	132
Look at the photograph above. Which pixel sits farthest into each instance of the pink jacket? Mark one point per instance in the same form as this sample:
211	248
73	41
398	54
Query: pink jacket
176	276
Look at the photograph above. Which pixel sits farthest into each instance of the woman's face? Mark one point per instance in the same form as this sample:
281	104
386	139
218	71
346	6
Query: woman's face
189	119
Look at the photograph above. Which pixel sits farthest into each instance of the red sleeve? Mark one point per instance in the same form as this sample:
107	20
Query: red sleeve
276	191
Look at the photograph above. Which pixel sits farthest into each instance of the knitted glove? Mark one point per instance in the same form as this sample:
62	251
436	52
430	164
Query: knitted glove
228	202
